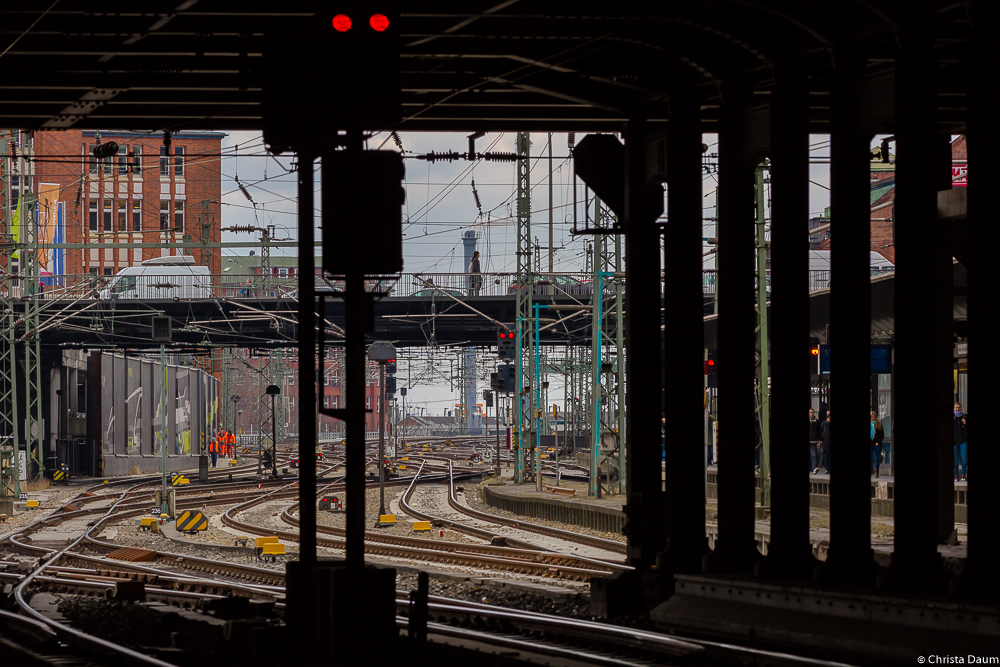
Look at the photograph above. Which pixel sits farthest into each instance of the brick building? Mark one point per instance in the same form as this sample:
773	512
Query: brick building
883	195
141	195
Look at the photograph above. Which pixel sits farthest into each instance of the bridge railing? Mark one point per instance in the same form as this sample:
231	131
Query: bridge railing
186	286
818	279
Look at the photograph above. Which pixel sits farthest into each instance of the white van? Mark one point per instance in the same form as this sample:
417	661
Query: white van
174	276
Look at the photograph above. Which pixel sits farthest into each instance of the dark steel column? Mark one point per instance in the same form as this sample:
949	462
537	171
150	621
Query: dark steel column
850	558
735	549
916	564
639	590
307	365
981	577
789	553
645	495
944	360
684	336
354	364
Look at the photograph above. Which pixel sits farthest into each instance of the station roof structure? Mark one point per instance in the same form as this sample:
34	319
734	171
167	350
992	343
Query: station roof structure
474	65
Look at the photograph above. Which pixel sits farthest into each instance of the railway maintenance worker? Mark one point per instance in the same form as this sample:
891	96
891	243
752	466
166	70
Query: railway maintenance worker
213	450
232	446
221	438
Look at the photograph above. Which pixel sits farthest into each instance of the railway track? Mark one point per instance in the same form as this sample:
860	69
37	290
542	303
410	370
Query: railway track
567	535
194	583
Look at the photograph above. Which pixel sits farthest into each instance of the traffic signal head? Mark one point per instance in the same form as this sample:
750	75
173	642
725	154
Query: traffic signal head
356	44
390	386
390	367
506	343
510	376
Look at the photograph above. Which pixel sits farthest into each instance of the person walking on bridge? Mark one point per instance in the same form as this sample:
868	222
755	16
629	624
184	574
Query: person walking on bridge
475	275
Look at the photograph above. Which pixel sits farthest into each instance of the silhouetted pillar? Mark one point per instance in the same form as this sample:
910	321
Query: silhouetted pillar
916	564
789	553
850	558
684	336
645	499
636	591
982	577
944	361
735	550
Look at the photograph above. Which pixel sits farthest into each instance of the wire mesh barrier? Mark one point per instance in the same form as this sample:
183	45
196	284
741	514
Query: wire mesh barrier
818	279
179	284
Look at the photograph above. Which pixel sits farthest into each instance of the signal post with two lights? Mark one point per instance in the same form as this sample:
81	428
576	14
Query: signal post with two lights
358	45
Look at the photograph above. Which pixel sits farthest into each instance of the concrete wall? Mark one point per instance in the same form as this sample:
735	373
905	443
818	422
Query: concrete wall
126	419
579	514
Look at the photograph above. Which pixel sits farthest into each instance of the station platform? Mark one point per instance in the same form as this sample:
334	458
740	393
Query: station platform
607	514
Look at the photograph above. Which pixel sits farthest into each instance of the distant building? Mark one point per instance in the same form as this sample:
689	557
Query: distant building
143	194
883	194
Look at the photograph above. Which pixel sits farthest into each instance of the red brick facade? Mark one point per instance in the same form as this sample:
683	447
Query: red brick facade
166	200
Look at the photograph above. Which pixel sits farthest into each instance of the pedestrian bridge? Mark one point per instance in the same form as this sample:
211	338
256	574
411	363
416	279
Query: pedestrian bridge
411	309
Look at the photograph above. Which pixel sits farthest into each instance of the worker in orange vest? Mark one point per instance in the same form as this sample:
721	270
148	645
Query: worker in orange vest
232	445
222	442
213	449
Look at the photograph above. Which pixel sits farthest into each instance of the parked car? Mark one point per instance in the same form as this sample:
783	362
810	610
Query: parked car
557	285
438	291
172	277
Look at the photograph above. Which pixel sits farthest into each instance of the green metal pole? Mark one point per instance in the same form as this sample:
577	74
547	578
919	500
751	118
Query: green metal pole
595	365
538	402
163	428
764	407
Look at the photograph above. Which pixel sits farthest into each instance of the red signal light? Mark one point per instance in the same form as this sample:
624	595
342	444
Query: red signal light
815	351
379	22
711	362
341	23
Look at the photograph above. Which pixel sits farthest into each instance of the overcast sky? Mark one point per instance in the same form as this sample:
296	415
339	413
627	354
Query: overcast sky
440	206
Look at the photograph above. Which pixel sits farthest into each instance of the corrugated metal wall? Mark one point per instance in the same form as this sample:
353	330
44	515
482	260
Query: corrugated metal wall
130	418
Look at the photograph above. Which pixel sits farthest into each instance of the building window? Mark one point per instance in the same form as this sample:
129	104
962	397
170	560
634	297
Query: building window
164	214
92	215
122	216
326	379
179	215
122	159
91	159
178	160
93	270
368	402
326	401
136	215
107	215
164	162
137	159
334	400
290	380
108	271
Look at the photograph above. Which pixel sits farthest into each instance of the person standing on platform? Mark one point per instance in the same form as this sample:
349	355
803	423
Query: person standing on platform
961	442
815	439
877	434
475	280
825	432
232	445
213	449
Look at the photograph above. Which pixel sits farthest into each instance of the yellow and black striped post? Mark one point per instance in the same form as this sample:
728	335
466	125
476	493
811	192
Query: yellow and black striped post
192	521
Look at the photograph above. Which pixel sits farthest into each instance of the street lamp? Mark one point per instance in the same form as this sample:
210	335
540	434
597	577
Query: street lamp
272	391
235	399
